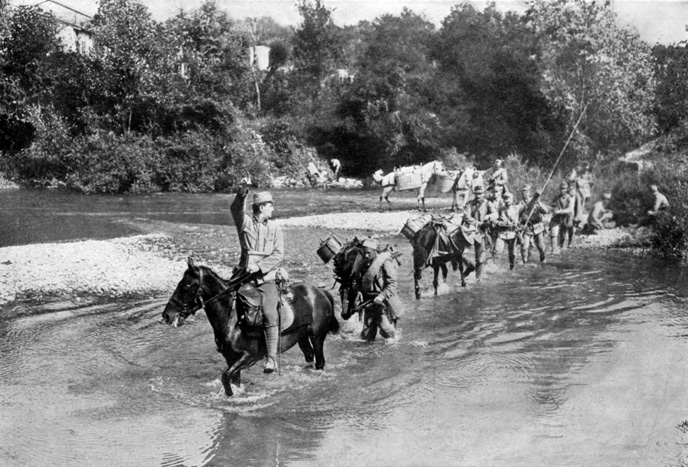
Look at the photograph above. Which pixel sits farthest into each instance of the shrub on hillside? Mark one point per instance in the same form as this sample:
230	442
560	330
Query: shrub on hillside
106	163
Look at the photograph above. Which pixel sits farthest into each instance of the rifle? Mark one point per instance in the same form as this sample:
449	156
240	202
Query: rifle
556	163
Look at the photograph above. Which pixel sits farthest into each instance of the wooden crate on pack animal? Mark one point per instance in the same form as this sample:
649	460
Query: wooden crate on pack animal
411	180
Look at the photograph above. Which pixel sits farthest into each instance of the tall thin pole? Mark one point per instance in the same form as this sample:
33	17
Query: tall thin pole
556	163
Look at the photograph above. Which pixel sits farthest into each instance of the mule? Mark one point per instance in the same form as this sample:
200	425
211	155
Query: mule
463	186
388	182
435	245
200	287
350	264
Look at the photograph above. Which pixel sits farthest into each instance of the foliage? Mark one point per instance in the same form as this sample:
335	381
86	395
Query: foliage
671	71
588	60
317	48
487	87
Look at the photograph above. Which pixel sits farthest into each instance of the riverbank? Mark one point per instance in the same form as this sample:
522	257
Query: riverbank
150	265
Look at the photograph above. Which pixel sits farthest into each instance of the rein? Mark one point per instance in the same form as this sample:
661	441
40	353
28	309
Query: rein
234	283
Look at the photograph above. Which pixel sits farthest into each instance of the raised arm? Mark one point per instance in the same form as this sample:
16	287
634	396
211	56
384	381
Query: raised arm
238	208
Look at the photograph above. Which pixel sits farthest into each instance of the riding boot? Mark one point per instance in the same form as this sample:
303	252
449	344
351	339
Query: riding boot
512	261
271	341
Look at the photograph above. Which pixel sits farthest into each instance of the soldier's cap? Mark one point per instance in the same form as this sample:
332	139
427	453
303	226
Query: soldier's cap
526	188
262	197
369	243
478	189
654	186
564	185
606	196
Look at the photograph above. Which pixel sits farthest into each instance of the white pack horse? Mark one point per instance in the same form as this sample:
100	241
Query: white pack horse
466	179
389	182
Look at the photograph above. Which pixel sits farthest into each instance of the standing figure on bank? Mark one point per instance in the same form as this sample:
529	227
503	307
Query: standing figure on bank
531	224
336	167
561	224
599	215
379	284
506	225
262	252
498	179
479	213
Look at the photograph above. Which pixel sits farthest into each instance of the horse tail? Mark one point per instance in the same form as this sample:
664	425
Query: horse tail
333	325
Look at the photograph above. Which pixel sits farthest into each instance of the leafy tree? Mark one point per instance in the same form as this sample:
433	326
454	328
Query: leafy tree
27	39
487	86
671	71
587	59
317	46
383	116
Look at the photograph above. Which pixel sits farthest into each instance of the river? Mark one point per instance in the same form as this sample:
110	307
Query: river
578	361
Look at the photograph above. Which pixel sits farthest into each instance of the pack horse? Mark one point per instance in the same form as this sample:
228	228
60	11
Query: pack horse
408	178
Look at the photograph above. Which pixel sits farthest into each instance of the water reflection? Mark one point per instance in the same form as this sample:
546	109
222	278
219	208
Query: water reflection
574	362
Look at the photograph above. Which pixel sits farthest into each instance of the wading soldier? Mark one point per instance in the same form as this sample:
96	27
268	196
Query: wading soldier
561	224
531	224
379	284
262	251
507	222
479	212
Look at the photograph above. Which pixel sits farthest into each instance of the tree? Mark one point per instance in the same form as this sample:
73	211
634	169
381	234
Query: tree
317	46
383	117
486	90
587	59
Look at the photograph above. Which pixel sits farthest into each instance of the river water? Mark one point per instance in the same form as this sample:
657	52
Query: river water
579	361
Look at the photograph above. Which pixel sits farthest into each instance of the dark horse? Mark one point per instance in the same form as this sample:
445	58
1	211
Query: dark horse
200	288
437	243
350	265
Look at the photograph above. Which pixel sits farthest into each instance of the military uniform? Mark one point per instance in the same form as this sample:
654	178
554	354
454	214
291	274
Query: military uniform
562	219
479	212
379	283
506	224
262	245
533	229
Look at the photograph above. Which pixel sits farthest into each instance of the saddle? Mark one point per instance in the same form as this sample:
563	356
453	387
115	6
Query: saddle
249	303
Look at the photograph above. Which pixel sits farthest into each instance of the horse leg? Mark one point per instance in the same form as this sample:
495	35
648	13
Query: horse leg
417	276
306	348
232	375
436	272
460	261
318	342
420	200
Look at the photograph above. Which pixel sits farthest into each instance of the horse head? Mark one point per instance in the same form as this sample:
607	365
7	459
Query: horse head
197	285
438	167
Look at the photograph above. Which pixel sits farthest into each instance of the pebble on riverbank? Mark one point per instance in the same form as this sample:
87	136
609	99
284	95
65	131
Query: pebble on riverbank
119	267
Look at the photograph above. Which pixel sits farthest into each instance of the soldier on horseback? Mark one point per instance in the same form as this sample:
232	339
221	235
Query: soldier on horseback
262	251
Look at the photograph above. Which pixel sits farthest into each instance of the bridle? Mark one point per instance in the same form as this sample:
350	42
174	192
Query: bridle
197	302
